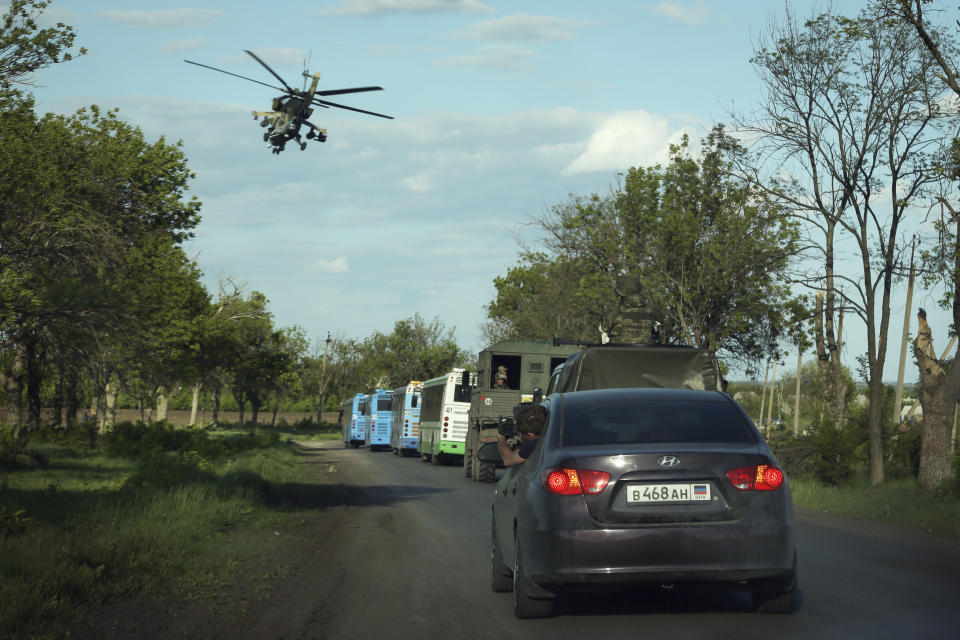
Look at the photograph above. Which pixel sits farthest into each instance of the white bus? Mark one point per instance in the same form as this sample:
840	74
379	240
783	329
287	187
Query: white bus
445	403
405	418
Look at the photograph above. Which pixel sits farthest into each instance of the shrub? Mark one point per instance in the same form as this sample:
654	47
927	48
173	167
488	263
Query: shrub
833	454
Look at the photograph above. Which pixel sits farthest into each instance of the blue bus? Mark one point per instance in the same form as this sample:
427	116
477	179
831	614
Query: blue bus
378	419
405	424
353	419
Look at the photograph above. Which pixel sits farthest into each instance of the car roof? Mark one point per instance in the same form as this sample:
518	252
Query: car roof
646	393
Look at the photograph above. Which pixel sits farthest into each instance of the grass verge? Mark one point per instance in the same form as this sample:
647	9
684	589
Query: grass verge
901	502
85	528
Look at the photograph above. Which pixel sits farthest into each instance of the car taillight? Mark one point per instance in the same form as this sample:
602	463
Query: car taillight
762	477
573	482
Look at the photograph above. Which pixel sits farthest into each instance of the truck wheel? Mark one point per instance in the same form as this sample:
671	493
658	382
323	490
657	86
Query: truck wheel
486	471
523	605
425	457
435	459
468	464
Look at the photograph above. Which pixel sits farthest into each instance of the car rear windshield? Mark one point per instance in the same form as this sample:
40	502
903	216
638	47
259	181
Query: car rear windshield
651	421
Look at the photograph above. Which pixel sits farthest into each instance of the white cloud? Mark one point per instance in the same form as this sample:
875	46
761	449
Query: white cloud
500	58
419	182
170	19
179	46
692	15
380	7
520	28
279	56
624	140
336	265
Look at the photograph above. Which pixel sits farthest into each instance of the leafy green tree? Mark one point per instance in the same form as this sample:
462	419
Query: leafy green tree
852	120
709	252
82	197
939	377
26	48
414	350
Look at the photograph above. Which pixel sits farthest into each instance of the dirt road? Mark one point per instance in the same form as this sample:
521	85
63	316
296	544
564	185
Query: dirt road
400	550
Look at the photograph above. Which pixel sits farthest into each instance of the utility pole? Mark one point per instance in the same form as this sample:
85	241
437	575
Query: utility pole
323	372
898	398
763	394
773	386
796	398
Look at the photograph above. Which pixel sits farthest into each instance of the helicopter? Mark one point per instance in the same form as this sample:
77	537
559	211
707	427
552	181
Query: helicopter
289	112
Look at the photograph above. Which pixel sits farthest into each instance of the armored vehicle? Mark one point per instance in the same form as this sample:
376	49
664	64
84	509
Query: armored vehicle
508	373
617	366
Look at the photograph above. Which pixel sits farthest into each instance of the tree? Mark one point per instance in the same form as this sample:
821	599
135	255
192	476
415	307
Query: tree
851	119
711	250
82	197
414	350
708	251
939	377
26	48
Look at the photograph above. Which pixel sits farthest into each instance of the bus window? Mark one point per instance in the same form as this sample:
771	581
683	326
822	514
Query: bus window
413	401
461	393
384	404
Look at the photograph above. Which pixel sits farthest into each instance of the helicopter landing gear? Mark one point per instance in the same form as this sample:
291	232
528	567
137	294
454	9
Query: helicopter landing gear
263	123
303	146
266	136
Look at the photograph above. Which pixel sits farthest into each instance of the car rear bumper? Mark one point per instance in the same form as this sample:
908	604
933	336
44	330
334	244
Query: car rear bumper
731	552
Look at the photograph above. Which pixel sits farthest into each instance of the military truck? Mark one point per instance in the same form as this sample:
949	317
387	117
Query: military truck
508	373
612	366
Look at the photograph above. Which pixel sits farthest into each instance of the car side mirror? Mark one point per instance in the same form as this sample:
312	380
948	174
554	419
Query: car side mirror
489	452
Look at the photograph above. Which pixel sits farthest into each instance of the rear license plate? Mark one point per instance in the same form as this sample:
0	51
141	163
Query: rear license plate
686	492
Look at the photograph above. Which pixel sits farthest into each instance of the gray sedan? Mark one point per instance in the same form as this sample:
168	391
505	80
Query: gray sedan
671	488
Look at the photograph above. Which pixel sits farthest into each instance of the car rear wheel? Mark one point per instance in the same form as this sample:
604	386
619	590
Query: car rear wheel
779	601
500	579
523	605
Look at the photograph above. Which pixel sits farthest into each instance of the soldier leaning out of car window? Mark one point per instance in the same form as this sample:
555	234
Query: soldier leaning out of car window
530	421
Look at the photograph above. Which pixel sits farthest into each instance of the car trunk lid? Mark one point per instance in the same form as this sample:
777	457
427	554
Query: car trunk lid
666	484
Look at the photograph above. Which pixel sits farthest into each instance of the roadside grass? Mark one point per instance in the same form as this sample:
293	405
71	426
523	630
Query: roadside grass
84	526
898	501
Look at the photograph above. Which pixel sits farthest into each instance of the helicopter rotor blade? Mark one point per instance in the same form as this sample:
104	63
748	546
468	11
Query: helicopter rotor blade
324	103
336	92
235	75
274	73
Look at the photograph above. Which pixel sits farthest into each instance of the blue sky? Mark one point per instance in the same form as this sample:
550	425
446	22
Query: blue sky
501	110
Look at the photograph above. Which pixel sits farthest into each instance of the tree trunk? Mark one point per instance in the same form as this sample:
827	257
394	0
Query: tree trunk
194	403
72	398
163	401
32	354
110	400
938	396
14	388
276	410
216	406
57	403
833	389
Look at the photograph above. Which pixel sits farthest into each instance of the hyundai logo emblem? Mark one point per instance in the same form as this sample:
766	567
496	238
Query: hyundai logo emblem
668	461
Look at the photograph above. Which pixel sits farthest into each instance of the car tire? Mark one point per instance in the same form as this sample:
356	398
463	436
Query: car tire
523	605
779	601
500	579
